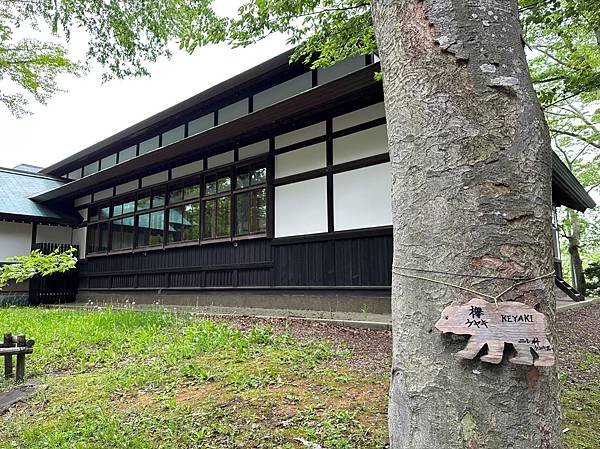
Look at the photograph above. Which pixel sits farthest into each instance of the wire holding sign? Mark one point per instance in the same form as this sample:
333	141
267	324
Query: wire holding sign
494	325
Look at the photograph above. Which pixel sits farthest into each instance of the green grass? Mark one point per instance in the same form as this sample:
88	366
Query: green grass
580	402
124	379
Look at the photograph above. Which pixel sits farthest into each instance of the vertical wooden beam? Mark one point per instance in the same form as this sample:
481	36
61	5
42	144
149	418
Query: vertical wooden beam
8	365
33	235
20	374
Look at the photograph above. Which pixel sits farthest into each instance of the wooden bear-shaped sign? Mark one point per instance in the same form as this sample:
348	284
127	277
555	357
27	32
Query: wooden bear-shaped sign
496	324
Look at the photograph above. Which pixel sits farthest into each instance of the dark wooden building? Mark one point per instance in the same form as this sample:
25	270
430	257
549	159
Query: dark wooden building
271	189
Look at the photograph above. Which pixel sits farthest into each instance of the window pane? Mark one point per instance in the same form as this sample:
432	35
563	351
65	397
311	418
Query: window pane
211	185
103	238
174	230
92	235
157	226
223	184
175	196
191	192
143	203
117	210
191	222
93	214
128	228
158	200
251	212
242	210
143	230
117	235
243	180
128	207
209	219
223	225
108	161
103	213
126	154
90	168
259	176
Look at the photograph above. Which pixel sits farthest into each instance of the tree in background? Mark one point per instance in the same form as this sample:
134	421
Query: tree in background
563	38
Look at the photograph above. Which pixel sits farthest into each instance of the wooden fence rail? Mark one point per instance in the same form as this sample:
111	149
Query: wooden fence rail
15	345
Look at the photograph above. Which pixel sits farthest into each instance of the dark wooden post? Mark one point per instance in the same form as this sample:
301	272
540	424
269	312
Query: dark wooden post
8	366
20	375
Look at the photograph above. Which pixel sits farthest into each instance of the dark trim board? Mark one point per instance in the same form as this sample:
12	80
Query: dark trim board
335	261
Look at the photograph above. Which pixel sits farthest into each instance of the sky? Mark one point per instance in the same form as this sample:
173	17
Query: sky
91	111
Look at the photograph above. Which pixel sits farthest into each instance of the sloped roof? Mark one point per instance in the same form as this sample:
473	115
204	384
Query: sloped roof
15	188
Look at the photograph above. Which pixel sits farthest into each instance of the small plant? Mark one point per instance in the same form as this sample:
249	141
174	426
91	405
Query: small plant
23	268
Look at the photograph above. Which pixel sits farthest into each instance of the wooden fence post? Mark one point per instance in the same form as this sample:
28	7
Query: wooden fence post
20	374
8	365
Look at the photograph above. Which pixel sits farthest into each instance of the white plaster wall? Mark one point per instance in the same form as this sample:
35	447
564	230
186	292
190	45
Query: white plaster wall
103	194
359	116
300	135
362	198
154	179
187	169
54	234
301	208
253	150
362	144
219	159
299	161
15	239
282	91
79	238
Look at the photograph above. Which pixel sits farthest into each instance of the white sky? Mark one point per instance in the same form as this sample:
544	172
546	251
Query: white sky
91	111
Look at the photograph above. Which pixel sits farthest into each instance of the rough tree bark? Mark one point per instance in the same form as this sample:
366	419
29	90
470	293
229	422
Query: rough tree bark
576	262
471	189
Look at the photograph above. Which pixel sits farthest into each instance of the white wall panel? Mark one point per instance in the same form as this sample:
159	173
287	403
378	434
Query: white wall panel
282	91
255	149
299	161
301	208
362	198
173	135
187	169
300	135
363	115
362	144
103	194
15	239
79	238
155	178
127	187
54	234
201	124
219	159
340	69
233	111
81	201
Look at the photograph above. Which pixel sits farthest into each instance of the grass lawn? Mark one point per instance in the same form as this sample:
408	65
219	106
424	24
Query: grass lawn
124	379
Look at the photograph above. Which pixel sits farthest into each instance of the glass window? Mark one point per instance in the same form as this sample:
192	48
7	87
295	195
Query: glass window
124	208
97	238
217	218
217	183
127	153
158	199
75	174
149	145
108	161
150	229
250	176
90	168
191	192
143	203
97	213
251	212
122	233
175	196
184	223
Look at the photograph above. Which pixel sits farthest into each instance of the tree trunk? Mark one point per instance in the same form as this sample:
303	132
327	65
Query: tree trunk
576	263
471	193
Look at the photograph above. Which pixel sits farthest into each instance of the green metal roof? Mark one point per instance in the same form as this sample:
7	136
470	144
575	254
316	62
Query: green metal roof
17	186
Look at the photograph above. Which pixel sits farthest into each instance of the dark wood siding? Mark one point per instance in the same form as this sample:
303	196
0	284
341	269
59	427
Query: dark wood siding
357	259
